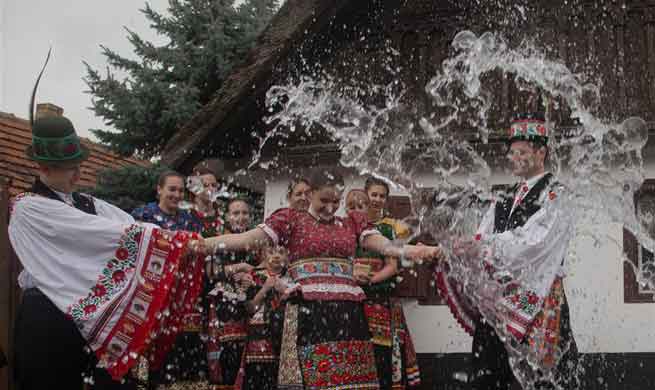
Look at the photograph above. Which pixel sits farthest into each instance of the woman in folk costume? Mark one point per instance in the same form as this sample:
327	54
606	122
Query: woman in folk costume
95	282
166	212
505	286
203	196
186	362
394	349
232	288
325	341
298	194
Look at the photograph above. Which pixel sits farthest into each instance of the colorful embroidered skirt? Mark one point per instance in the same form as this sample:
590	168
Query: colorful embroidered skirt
227	332
394	349
225	354
259	366
490	361
326	345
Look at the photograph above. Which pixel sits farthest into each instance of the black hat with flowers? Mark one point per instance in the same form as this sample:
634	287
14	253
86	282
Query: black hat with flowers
54	140
529	127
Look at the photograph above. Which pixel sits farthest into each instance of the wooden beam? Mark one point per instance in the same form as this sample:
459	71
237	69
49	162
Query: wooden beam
6	284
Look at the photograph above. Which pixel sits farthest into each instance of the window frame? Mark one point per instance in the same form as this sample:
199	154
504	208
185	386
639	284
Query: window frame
633	253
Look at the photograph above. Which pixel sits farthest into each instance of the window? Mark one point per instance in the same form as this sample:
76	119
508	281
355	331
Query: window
639	259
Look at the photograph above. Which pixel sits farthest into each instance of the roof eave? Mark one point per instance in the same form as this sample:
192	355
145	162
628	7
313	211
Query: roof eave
295	21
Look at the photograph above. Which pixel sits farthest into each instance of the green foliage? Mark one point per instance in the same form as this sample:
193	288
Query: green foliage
127	187
167	84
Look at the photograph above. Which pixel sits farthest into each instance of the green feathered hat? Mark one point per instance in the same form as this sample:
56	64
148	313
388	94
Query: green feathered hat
54	140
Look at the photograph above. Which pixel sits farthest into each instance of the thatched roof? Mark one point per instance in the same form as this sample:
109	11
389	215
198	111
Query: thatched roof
296	20
422	30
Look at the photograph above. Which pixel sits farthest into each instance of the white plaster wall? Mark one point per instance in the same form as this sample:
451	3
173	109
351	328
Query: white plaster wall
600	320
276	195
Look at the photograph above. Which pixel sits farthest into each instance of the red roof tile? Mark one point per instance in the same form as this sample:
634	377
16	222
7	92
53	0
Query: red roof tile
16	135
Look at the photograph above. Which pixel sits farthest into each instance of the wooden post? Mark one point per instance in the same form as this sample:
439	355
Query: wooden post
6	283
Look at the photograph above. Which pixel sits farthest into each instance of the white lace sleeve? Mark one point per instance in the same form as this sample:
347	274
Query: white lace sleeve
109	211
57	244
542	240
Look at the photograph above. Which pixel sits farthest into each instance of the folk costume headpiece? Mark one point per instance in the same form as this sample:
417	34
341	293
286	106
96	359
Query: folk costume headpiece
529	127
54	140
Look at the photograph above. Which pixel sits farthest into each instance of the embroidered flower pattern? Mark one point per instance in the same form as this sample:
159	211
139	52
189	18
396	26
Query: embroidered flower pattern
525	301
112	278
379	323
211	225
70	149
546	331
338	363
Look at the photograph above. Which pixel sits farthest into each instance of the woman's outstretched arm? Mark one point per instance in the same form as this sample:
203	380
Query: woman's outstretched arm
380	244
247	241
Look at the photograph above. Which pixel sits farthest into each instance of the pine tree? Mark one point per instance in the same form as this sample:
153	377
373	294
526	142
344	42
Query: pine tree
127	187
167	84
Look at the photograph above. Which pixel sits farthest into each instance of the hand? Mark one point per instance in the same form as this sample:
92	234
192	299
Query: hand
423	252
245	267
197	246
280	286
246	281
362	278
289	291
270	283
435	253
238	268
237	276
466	248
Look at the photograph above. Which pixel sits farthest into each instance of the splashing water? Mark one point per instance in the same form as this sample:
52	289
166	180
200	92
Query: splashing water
195	186
599	164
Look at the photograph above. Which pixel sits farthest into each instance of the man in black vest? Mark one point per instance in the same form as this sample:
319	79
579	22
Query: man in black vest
50	351
521	245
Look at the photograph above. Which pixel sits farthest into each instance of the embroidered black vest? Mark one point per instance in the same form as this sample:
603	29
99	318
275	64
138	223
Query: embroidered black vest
524	210
81	202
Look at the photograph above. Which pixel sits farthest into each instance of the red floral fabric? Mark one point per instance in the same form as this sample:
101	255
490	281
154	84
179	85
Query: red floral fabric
306	237
169	282
343	364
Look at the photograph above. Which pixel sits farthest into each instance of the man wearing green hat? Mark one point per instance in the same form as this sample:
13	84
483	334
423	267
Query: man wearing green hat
509	295
95	282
